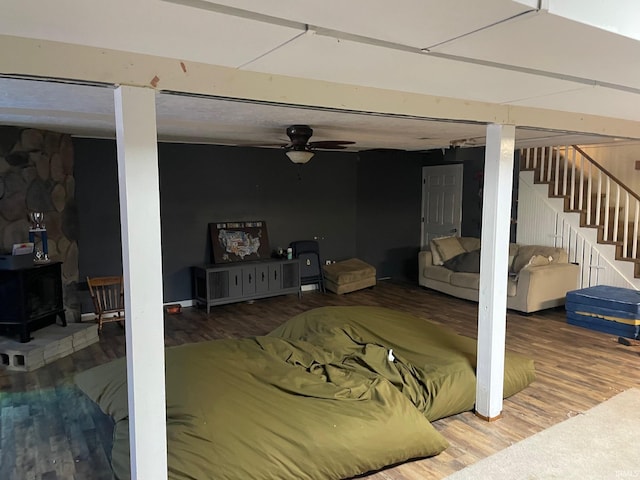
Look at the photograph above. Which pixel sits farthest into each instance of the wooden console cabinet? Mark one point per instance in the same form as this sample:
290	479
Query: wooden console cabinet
238	282
30	298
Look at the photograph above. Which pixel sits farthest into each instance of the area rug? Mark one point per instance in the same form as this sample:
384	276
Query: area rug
601	443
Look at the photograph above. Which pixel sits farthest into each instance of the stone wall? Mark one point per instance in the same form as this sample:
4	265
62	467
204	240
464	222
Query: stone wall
36	175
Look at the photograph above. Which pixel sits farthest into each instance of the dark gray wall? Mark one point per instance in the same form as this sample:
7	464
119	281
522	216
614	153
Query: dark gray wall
96	174
200	184
472	181
389	209
365	205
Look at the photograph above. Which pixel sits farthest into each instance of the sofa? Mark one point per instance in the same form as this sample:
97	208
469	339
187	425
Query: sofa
539	276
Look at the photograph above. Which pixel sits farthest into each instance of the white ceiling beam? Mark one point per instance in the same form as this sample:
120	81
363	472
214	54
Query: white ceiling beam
51	59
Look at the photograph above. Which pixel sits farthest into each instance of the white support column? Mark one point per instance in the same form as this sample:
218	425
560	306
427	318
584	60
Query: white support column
142	266
494	258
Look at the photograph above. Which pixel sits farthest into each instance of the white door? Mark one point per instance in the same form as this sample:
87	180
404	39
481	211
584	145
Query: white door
441	202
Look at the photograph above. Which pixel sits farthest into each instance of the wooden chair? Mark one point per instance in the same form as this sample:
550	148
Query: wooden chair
107	294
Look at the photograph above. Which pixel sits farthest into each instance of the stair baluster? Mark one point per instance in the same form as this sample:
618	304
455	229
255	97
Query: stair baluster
570	173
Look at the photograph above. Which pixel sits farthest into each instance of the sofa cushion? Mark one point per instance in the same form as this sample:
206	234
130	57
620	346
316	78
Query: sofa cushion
465	262
512	286
465	280
436	272
448	247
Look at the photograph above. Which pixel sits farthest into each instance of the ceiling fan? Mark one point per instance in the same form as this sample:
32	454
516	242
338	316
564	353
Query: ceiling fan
300	150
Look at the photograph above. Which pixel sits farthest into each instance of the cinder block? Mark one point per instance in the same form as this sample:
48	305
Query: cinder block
21	363
48	344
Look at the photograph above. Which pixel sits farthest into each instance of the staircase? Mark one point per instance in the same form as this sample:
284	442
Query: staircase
566	199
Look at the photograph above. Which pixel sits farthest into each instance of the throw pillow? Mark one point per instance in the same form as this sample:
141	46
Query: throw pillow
435	256
465	262
525	252
448	247
538	261
534	261
469	243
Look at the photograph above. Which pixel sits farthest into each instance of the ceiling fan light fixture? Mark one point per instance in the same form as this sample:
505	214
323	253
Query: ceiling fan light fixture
299	156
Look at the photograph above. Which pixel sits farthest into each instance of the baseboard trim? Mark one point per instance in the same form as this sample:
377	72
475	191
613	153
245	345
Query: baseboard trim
488	419
183	303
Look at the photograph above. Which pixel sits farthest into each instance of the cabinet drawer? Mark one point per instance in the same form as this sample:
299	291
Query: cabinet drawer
262	279
275	274
235	282
248	281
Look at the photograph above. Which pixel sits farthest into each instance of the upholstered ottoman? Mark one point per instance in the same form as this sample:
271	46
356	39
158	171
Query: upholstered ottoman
607	309
349	275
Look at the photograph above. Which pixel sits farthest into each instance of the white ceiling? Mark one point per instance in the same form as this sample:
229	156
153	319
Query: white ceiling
497	52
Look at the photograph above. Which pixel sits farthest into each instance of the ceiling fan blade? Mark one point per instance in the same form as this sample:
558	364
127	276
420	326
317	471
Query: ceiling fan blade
279	145
330	144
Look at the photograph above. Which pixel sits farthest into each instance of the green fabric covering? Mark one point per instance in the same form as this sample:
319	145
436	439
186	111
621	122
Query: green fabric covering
444	361
321	397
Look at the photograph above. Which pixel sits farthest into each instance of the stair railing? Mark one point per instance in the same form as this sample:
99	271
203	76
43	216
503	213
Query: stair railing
572	174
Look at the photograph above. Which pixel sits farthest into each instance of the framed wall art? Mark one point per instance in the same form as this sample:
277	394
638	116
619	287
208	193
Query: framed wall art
239	241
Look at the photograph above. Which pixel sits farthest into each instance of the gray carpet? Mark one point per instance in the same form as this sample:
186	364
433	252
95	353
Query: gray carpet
602	443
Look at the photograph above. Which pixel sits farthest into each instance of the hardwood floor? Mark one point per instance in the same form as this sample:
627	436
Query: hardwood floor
50	431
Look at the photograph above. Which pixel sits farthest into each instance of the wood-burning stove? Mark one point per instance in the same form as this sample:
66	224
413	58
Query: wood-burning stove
30	298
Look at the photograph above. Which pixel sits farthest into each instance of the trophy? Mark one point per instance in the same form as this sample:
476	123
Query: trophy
38	228
37	218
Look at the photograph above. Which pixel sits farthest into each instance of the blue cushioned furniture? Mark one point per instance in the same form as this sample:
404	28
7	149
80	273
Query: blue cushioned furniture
607	309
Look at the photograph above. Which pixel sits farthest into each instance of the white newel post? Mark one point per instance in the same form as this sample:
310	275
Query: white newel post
142	268
494	258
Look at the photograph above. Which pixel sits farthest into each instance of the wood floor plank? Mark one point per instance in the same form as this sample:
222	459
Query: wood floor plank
50	431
